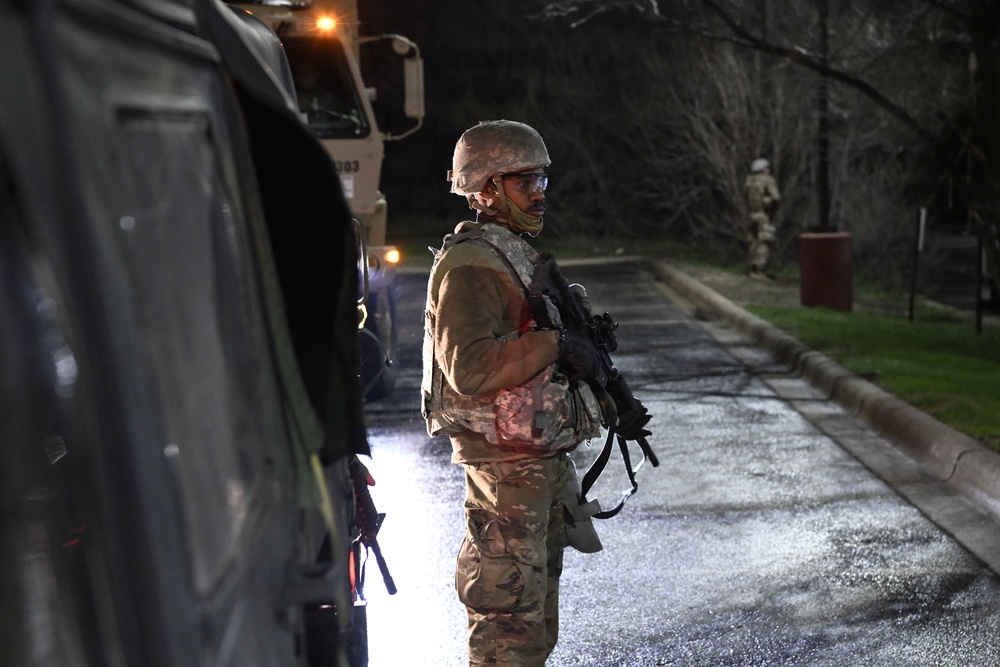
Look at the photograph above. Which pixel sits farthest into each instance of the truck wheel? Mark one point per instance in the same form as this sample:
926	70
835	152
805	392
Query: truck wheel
382	323
323	643
357	641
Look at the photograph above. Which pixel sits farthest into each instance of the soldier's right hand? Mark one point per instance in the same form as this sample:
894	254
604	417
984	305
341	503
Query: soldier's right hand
632	424
578	358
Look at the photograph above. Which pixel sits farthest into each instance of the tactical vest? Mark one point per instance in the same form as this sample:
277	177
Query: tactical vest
761	191
544	413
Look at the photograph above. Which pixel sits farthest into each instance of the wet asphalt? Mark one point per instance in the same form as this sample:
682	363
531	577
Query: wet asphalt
778	529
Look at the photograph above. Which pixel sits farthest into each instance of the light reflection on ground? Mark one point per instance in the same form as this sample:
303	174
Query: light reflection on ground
424	623
759	541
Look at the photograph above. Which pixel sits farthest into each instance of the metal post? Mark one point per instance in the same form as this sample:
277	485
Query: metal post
823	112
980	283
918	246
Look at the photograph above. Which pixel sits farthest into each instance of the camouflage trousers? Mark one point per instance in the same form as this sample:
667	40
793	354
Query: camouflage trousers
511	559
760	237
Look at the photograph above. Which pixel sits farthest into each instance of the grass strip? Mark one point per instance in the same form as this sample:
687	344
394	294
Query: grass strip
939	366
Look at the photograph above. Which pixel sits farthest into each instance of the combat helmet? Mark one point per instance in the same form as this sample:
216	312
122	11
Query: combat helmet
494	147
758	165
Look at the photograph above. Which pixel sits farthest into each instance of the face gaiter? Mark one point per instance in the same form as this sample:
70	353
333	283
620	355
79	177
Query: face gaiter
521	222
508	214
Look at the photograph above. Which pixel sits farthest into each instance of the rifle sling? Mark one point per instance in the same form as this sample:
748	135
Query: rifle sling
598	467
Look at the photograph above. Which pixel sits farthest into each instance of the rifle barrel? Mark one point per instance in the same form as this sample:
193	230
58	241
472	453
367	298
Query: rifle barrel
390	585
648	451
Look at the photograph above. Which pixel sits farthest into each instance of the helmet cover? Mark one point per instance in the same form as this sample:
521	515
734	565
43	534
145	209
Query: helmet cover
494	147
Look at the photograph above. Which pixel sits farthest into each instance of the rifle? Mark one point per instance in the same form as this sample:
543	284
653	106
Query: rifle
549	280
367	520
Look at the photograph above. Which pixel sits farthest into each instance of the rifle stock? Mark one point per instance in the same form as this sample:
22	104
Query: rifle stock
368	521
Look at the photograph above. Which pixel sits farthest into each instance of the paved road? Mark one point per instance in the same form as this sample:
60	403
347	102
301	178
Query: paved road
760	540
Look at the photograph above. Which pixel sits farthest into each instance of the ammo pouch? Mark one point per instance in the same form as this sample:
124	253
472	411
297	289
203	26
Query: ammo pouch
532	414
545	413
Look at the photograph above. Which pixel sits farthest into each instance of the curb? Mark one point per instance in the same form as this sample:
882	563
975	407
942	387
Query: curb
963	463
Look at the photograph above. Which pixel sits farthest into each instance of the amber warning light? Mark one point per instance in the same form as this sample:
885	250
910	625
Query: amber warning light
326	23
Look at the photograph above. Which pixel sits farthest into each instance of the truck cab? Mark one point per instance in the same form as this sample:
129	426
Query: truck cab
323	47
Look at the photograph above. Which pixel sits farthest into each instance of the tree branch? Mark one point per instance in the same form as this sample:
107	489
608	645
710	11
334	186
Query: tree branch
801	57
951	11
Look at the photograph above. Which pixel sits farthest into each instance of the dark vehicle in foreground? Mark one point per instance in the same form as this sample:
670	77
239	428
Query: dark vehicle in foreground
179	395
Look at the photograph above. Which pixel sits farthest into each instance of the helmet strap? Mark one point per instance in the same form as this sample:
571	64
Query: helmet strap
507	213
477	205
500	214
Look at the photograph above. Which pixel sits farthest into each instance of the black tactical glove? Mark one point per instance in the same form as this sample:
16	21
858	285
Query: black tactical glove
631	424
578	358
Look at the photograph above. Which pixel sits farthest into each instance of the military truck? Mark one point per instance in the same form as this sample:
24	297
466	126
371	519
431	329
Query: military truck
323	46
180	402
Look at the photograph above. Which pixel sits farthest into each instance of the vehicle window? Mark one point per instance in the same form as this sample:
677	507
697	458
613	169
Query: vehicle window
179	243
327	95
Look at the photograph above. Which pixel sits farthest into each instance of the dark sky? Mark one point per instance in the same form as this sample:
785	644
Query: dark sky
473	53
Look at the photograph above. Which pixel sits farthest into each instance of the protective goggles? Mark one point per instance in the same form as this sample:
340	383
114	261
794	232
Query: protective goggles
527	183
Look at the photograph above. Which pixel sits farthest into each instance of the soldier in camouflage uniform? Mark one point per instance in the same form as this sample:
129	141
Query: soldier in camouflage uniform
762	197
508	395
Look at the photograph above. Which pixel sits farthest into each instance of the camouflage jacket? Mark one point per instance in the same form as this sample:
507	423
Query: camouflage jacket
490	378
762	193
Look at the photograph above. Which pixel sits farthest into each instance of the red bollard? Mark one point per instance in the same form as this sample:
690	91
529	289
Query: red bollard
826	270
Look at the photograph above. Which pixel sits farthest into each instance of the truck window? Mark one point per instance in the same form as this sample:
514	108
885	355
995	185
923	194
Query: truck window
181	244
327	94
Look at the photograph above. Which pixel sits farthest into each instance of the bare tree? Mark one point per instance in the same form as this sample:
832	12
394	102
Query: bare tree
929	67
